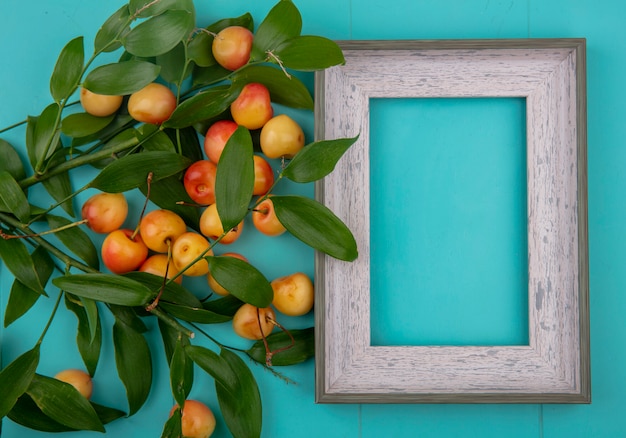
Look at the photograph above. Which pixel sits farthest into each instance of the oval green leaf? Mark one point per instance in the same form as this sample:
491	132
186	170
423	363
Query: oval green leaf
159	34
59	186
131	171
284	90
21	299
282	23
10	160
84	124
173	292
194	314
68	70
109	35
242	412
149	8
121	78
16	377
45	134
293	352
28	414
234	180
88	333
317	160
64	404
134	364
13	198
75	239
215	366
174	66
310	53
19	262
202	106
242	280
315	225
108	288
226	306
181	372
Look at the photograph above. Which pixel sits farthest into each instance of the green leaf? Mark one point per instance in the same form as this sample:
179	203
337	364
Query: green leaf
88	334
202	106
28	414
187	142
317	160
242	411
16	377
227	305
282	23
64	404
60	186
68	70
310	53
284	90
242	280
134	365
131	171
203	76
84	124
121	78
108	36
19	262
169	335
108	288
149	8
45	133
128	138
234	180
118	124
181	371
215	366
297	351
173	292
167	192
154	139
107	414
13	198
173	425
75	239
159	34
194	314
315	225
10	160
174	66
129	317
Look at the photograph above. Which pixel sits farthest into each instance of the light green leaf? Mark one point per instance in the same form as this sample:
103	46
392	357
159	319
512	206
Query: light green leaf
317	160
114	289
121	78
159	34
149	8
68	70
13	198
315	225
234	180
290	352
134	365
108	36
310	53
84	124
131	171
16	377
282	23
64	404
242	280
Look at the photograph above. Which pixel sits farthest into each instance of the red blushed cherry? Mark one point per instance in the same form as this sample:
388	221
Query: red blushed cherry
199	182
121	252
263	176
216	137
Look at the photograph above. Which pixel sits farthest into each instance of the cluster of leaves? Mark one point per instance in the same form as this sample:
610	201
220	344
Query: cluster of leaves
158	41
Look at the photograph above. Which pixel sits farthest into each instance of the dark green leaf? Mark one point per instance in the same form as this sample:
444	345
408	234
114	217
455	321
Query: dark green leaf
284	90
282	23
202	106
234	180
299	350
227	305
310	53
28	414
10	160
215	366
244	20
187	142
213	74
64	404
159	34
181	371
173	292
18	260
60	186
154	139
16	377
84	124
45	135
129	317
13	198
173	425
114	289
88	334
21	299
121	78
242	411
117	125
169	335
242	280
199	50
317	160
172	64
134	365
194	314
107	414
149	8
167	192
68	70
128	138
131	171
75	239
108	36
315	225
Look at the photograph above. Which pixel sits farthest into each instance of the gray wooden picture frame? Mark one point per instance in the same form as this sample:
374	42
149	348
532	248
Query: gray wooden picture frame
555	365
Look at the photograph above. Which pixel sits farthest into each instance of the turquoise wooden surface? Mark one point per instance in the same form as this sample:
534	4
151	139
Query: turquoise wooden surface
32	32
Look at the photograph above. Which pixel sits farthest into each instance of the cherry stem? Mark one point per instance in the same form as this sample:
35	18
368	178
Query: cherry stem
276	59
6	236
165	278
145	205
